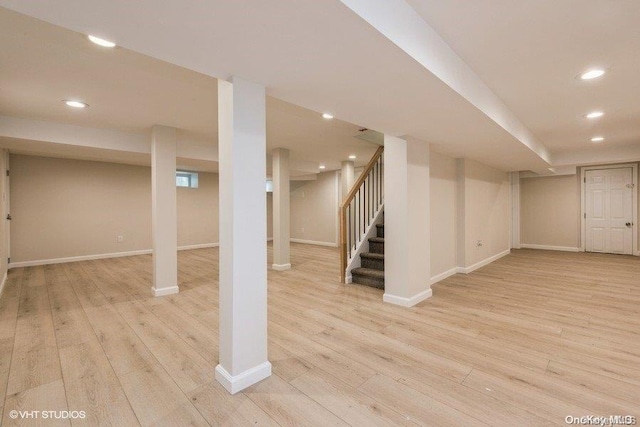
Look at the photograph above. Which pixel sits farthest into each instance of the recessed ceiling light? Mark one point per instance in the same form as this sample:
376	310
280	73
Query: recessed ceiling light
352	157
597	139
76	104
101	42
592	74
595	115
327	116
322	166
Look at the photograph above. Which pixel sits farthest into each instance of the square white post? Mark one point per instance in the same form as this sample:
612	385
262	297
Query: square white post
243	235
281	213
407	262
164	216
515	209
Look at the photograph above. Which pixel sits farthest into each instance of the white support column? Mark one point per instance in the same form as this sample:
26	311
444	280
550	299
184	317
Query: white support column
515	210
281	202
164	217
347	177
407	273
243	233
461	223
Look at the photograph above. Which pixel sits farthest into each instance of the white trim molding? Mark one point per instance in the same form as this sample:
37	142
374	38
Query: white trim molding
407	302
281	267
467	270
234	384
103	256
199	246
635	249
78	258
314	242
550	248
165	291
444	275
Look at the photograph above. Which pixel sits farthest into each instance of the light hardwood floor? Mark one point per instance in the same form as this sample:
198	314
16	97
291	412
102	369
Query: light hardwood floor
527	340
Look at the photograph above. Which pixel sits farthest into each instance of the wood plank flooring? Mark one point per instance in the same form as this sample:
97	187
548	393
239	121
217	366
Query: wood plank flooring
525	341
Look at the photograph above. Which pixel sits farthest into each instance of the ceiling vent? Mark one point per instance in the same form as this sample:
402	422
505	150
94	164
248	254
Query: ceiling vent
371	136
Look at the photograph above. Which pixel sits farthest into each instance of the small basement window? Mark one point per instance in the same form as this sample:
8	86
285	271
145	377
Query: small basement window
187	179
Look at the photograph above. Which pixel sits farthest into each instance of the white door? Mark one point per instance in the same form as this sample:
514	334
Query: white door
609	210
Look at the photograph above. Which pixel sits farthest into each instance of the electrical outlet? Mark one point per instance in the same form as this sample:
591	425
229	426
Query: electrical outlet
302	230
119	239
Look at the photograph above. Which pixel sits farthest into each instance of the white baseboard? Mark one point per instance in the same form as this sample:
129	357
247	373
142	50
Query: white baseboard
467	270
234	384
281	267
442	276
200	246
165	291
78	258
407	302
104	256
348	279
313	242
4	282
550	248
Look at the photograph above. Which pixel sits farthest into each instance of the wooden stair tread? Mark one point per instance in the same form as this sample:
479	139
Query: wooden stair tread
376	239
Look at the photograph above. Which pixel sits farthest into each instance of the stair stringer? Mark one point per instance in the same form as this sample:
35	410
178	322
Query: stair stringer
354	260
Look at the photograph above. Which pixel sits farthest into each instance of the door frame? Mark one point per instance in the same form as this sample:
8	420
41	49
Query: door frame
583	210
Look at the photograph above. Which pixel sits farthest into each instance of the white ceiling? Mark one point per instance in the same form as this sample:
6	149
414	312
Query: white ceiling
529	53
322	56
318	55
43	64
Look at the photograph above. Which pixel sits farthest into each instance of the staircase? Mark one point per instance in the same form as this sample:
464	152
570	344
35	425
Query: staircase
371	272
361	230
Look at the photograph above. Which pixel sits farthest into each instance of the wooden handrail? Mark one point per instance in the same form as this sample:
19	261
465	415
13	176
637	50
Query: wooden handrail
363	176
343	209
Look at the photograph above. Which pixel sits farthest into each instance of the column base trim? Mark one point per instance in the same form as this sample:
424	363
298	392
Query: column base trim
234	384
281	267
407	302
165	291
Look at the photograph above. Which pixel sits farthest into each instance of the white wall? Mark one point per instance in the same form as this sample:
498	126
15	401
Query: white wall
314	209
198	212
65	208
68	208
487	212
550	211
443	213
